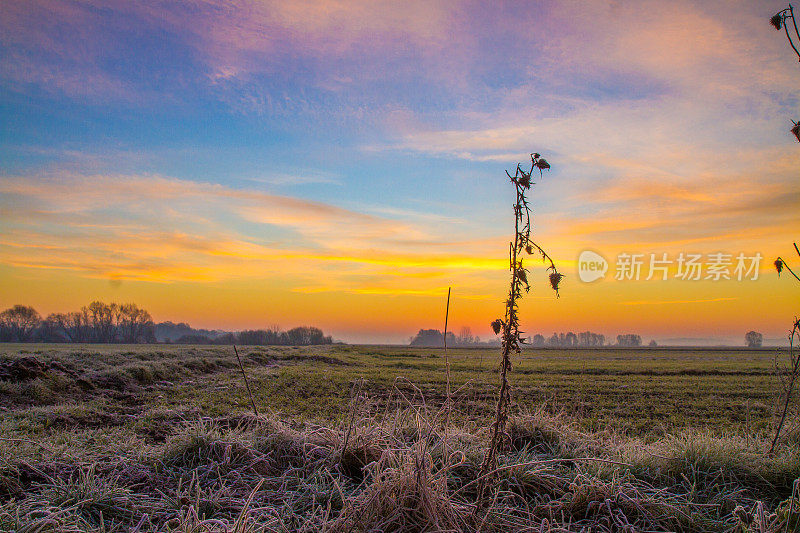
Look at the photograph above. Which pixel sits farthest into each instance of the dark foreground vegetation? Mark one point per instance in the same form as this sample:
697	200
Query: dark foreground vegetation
160	438
101	323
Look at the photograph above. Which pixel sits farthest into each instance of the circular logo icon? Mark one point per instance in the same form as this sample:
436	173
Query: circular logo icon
591	266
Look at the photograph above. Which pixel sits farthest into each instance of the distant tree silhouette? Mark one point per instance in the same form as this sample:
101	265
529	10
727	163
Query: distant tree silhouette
571	339
18	323
226	338
300	336
171	332
135	324
50	330
753	339
73	326
306	336
585	339
589	339
128	323
194	339
465	336
100	323
432	338
104	320
629	341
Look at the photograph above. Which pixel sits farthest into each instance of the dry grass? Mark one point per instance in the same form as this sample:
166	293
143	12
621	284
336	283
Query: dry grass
258	474
152	460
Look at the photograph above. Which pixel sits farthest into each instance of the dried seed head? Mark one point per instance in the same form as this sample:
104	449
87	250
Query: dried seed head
496	326
525	181
555	279
542	164
777	21
522	275
529	249
779	265
796	130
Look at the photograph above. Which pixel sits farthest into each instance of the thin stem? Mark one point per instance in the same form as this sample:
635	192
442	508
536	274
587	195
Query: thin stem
794	23
786	28
788	268
795	362
447	404
246	383
353	407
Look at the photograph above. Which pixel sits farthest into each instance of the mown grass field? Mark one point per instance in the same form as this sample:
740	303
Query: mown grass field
107	438
644	391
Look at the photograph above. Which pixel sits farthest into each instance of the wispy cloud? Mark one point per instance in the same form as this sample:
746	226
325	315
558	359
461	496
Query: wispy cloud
670	302
665	124
162	229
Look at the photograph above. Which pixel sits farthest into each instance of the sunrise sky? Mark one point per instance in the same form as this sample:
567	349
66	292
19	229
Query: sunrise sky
240	164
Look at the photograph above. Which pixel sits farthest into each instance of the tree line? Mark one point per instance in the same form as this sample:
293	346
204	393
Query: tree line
300	336
569	340
127	323
95	323
432	338
584	339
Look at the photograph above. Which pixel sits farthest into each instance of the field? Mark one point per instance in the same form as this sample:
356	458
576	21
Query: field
349	438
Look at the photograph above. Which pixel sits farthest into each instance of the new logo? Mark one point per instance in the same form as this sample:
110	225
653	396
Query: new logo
591	266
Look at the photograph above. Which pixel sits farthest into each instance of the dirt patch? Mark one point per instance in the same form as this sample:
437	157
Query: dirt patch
23	369
319	358
113	381
28	368
88	420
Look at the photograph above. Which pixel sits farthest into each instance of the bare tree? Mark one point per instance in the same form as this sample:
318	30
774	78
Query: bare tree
19	322
465	336
133	323
104	321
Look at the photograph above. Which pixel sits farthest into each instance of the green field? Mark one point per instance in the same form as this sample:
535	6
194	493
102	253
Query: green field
638	390
150	434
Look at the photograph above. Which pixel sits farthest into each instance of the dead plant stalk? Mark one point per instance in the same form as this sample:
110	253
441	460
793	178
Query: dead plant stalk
793	368
448	405
509	325
780	21
246	383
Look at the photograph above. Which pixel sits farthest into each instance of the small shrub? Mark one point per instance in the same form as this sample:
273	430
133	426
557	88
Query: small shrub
204	444
96	500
